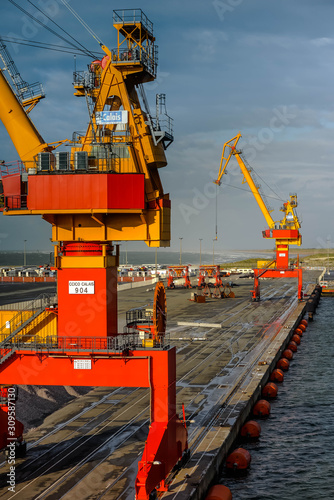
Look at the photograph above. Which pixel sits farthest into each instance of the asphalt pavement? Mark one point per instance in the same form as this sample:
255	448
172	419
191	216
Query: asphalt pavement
18	292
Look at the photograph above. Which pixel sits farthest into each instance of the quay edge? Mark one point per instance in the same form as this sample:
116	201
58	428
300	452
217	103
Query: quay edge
193	481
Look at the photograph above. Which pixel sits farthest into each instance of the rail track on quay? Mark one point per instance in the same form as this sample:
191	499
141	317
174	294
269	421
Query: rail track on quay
91	447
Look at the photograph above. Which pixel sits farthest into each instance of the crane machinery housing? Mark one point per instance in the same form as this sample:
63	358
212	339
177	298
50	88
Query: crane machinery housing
98	188
284	232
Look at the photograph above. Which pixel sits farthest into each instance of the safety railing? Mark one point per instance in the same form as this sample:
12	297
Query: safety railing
25	316
133	16
139	315
163	127
53	343
30	91
15	202
149	60
86	79
10	168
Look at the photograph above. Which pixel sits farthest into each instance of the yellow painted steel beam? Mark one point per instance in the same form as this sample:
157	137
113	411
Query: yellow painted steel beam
255	191
8	315
99	262
26	139
152	225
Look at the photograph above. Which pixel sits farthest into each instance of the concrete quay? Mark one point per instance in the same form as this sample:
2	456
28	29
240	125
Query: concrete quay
211	442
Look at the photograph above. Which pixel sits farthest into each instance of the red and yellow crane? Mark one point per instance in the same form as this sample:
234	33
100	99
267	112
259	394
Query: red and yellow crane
100	187
284	232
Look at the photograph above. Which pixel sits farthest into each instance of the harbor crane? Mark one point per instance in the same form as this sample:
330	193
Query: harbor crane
101	186
284	232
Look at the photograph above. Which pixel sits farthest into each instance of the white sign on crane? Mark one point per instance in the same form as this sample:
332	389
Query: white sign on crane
111	117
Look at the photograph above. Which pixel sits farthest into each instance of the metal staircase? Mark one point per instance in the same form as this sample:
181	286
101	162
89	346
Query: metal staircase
22	326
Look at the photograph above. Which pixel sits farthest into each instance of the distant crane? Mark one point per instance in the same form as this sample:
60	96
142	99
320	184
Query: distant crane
285	232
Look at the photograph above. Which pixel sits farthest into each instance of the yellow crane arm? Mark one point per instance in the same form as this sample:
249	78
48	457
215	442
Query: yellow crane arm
26	138
226	156
225	159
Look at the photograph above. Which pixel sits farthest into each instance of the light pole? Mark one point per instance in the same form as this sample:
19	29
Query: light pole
213	252
180	251
24	253
200	251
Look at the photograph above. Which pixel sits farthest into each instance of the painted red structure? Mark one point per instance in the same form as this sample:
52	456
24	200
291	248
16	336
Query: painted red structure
207	271
84	191
81	311
178	272
64	365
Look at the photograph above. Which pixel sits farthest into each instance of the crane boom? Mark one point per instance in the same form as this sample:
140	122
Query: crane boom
28	94
290	220
27	140
231	146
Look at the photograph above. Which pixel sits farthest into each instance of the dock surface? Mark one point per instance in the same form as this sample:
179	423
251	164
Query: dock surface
91	447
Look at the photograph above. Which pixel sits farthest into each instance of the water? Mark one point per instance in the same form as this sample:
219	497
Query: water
17	258
167	257
294	458
164	256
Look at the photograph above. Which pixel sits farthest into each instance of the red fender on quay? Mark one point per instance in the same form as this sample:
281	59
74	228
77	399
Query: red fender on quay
283	364
270	390
219	492
239	459
262	408
296	338
277	375
251	429
288	354
292	346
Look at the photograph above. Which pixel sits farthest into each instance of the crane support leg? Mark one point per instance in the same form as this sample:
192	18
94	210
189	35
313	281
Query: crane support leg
87	289
156	369
300	283
256	290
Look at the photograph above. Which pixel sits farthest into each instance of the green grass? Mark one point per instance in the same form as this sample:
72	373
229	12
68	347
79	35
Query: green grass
247	263
319	258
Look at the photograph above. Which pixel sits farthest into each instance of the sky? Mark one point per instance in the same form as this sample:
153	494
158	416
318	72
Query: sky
261	67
